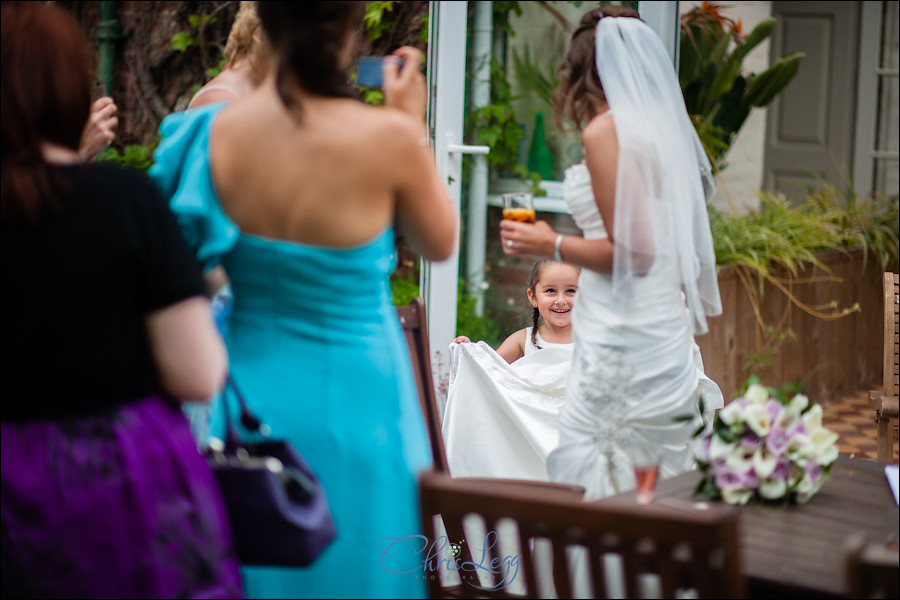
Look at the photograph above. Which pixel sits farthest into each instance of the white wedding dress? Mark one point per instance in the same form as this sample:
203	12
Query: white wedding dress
636	368
501	419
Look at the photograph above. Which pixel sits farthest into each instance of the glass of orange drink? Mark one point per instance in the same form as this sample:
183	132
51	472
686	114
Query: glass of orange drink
519	207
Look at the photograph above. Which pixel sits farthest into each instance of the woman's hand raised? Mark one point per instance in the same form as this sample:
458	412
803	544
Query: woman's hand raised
404	88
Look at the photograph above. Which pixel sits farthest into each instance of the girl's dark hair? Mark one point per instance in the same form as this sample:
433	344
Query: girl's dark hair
536	269
579	80
307	38
46	97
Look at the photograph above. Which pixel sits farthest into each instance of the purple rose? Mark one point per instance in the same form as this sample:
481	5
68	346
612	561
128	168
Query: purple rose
775	408
729	478
750	442
782	469
777	441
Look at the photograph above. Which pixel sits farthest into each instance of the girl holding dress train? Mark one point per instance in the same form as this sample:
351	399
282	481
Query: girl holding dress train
502	407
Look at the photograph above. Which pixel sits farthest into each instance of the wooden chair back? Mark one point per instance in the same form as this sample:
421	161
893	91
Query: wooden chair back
545	537
891	334
885	401
415	328
873	570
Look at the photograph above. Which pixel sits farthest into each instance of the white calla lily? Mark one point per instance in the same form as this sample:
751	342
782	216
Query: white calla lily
732	414
737	496
718	448
812	419
758	419
763	463
772	489
757	394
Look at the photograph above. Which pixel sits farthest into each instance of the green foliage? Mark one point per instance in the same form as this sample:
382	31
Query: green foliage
718	96
468	323
213	71
873	225
791	236
376	19
134	156
423	33
403	289
183	40
495	125
473	326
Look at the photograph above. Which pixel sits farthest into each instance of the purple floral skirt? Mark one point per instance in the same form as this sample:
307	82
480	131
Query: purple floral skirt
116	505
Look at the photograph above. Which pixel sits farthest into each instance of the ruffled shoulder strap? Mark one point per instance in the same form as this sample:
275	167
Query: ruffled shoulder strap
182	175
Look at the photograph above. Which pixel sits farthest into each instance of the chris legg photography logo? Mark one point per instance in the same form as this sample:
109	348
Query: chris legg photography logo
413	553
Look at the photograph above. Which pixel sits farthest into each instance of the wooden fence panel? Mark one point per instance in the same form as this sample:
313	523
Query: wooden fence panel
831	357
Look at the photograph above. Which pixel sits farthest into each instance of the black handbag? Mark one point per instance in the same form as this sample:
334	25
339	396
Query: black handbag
277	507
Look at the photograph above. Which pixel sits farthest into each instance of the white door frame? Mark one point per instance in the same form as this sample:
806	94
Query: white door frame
446	74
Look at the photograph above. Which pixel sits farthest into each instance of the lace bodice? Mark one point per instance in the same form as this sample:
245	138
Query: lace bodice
579	197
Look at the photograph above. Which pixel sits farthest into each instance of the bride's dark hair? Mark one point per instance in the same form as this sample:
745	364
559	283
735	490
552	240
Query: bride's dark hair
579	81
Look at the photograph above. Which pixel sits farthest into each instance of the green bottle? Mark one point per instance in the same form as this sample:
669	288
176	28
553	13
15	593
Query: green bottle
540	159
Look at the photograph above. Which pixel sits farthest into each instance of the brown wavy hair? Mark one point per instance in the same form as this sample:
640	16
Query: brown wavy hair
45	96
579	81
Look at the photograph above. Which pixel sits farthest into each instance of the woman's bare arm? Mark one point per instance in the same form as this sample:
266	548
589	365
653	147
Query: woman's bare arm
189	352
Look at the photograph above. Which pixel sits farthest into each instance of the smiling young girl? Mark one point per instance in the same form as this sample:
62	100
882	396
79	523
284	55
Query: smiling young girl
502	411
551	292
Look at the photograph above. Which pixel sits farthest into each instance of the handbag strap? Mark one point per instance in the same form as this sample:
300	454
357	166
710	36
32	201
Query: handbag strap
248	419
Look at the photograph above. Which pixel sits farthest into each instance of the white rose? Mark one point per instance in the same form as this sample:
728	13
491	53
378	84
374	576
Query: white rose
757	394
758	419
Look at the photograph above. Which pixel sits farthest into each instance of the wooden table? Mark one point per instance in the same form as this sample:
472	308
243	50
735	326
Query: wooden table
798	551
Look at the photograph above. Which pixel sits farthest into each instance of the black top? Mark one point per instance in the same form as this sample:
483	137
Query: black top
76	288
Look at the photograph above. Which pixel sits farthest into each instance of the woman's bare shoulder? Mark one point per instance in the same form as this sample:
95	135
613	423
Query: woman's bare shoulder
601	128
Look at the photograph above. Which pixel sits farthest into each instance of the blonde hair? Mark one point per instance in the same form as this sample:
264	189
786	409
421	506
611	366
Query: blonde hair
247	40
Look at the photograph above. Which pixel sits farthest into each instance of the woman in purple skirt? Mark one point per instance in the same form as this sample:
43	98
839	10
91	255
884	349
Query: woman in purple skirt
105	329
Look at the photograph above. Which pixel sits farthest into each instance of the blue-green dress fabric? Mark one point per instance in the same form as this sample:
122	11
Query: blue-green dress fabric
315	345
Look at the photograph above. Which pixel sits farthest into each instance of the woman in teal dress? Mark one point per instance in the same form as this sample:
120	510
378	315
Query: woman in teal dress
300	191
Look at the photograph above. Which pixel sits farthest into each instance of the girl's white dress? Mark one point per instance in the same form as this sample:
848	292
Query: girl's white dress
501	420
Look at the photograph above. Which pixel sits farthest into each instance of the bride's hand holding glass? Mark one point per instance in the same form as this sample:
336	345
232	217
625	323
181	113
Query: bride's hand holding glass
527	239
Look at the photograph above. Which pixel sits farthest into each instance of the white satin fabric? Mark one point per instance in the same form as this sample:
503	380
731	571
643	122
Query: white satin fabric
501	420
636	368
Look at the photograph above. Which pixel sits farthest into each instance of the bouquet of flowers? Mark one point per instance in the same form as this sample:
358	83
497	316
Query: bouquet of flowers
763	446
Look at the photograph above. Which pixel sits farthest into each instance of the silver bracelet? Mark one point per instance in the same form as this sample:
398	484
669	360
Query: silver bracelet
556	254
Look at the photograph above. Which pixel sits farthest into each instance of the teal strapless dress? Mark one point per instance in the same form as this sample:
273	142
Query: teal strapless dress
316	347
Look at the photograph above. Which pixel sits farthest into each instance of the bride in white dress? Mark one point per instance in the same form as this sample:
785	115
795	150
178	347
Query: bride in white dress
649	274
502	411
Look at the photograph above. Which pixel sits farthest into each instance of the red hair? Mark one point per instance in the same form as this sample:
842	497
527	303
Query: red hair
46	97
